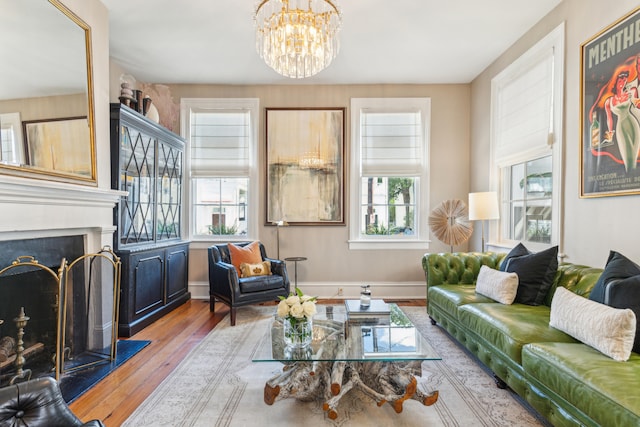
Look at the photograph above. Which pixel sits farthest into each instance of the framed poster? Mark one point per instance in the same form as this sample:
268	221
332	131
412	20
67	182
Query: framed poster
60	146
305	166
610	110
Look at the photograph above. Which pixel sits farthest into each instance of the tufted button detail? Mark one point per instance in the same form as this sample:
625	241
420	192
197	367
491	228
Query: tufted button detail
19	414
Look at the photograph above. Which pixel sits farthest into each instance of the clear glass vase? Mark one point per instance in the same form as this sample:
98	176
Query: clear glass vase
298	333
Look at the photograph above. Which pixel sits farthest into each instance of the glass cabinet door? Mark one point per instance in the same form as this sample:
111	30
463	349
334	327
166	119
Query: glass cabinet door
137	172
169	192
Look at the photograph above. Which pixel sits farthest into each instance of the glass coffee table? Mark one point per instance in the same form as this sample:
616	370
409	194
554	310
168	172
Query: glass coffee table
380	356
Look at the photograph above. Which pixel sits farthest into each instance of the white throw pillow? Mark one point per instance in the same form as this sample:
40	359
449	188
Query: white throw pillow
607	329
497	285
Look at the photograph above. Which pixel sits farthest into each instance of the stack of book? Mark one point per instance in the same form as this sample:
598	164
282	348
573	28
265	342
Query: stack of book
377	310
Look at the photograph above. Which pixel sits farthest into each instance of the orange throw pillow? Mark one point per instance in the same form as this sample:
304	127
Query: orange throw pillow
249	254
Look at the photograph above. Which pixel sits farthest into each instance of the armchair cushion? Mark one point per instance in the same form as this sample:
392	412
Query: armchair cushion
260	284
260	269
241	254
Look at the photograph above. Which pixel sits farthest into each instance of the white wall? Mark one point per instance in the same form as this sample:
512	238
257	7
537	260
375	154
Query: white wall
591	227
331	265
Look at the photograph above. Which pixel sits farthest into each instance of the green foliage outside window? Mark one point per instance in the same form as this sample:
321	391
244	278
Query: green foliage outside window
223	230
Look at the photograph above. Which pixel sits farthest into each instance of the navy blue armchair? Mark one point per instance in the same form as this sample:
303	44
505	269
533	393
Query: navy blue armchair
234	291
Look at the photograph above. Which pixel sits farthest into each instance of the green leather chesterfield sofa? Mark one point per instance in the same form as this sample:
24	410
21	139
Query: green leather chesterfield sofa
566	381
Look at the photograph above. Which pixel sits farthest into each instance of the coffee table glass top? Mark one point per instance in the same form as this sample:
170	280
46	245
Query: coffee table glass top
336	338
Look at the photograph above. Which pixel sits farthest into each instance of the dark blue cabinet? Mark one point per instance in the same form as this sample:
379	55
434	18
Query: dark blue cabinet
147	161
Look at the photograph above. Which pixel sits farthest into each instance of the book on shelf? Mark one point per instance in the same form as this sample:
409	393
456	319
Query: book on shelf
377	308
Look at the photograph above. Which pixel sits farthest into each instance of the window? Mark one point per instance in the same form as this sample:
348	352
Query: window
11	151
222	139
389	169
529	201
527	145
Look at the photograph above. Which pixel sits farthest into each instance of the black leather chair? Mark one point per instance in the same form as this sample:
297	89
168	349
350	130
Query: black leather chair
234	291
37	403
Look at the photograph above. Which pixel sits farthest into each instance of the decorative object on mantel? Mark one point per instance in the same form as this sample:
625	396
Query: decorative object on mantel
127	88
168	109
483	206
298	38
151	100
449	222
150	110
297	313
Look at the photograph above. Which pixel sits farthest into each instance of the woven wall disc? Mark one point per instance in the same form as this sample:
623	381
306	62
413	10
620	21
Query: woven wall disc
449	222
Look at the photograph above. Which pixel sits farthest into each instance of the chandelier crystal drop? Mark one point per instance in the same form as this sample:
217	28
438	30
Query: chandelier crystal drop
297	38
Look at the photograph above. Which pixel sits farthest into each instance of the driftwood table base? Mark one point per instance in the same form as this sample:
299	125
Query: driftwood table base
391	382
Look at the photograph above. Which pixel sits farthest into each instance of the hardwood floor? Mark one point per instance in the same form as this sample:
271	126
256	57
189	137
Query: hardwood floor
172	338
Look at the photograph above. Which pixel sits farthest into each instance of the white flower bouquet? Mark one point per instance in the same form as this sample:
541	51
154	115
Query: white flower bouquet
297	306
297	312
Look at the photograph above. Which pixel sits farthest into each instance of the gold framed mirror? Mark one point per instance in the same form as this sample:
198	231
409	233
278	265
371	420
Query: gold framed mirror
46	95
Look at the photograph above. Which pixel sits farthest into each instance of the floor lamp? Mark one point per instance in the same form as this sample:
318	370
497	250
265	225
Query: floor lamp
483	206
279	224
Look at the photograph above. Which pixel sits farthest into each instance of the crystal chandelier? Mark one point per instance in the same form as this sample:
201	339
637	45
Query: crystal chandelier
297	38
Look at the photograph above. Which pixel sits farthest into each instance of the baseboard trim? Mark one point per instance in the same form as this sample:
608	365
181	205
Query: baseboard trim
408	290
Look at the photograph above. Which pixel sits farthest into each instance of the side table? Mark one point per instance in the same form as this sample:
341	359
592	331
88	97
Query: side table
295	260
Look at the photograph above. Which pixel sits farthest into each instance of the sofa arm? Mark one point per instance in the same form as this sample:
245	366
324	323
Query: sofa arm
458	267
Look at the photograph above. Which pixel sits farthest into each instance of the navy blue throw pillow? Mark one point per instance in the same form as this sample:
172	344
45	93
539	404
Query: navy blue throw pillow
536	273
518	250
625	293
619	286
618	267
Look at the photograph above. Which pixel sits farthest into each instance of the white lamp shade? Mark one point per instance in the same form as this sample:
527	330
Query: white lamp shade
483	205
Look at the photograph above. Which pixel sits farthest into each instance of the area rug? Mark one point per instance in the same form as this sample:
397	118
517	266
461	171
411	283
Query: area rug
218	385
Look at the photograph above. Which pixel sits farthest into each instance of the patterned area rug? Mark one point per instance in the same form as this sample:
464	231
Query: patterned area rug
218	385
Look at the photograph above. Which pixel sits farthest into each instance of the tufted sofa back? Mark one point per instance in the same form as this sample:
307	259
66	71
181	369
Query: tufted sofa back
463	268
458	267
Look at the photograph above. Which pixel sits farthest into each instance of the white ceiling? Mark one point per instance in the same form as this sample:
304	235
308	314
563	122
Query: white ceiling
382	41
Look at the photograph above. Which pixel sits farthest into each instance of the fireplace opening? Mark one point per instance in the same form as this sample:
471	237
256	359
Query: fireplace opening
39	290
17	294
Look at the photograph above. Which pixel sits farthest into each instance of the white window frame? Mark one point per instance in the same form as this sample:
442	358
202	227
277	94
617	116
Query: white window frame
420	239
11	123
552	44
189	105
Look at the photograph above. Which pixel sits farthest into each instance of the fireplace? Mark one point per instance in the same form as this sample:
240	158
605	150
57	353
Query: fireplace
70	310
